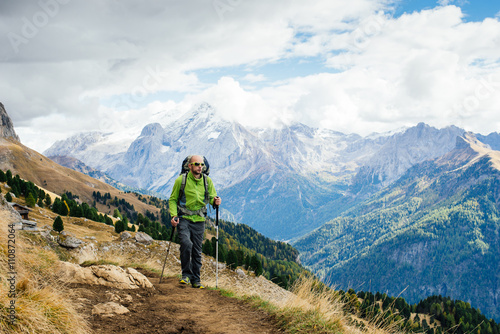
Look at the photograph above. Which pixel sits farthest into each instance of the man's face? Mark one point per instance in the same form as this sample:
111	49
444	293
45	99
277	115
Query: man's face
195	166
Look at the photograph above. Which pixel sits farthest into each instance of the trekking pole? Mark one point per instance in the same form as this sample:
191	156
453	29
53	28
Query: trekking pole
168	251
216	246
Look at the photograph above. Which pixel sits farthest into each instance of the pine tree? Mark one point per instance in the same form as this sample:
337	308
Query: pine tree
15	188
207	248
119	227
77	212
256	265
241	257
63	208
8	176
58	224
8	197
247	261
232	259
125	223
30	200
116	214
108	221
48	200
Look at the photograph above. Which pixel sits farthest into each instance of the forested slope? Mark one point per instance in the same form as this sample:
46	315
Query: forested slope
435	231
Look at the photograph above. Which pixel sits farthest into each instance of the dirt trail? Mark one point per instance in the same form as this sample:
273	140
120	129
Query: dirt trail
173	308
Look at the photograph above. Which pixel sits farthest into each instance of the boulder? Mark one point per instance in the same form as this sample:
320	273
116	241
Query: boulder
143	238
107	275
46	234
109	309
125	236
29	225
240	272
68	241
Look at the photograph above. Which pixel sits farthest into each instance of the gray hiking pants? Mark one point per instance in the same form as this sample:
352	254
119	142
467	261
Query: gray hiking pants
191	239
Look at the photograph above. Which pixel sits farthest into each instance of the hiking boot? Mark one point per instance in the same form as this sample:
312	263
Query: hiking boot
197	285
185	280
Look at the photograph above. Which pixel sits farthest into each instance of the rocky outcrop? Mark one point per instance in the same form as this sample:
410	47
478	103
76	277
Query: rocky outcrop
107	275
125	236
8	214
69	241
143	238
6	125
109	309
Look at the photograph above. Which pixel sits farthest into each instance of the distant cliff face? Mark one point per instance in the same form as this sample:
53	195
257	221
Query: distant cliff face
6	125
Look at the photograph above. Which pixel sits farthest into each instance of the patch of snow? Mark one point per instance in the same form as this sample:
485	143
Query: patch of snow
214	135
164	149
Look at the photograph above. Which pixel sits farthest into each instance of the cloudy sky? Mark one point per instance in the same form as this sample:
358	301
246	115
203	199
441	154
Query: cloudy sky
358	66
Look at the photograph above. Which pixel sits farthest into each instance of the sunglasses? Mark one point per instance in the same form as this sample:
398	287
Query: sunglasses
197	164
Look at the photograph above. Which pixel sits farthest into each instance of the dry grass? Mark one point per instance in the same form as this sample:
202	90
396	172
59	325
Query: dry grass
314	308
42	303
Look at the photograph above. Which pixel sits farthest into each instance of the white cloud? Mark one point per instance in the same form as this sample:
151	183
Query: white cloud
233	103
423	66
444	2
92	57
254	78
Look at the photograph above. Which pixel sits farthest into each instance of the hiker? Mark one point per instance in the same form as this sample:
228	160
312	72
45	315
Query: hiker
188	211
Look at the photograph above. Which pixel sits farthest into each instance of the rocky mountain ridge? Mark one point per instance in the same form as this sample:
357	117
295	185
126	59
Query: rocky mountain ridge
6	125
315	171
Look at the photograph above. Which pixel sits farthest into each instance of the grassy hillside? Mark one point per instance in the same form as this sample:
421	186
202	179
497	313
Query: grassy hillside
33	166
435	231
46	304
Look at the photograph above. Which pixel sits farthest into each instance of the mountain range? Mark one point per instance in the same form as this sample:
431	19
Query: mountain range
435	231
411	212
273	180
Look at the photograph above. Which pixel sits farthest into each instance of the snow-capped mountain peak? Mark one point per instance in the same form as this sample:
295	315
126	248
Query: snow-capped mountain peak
306	166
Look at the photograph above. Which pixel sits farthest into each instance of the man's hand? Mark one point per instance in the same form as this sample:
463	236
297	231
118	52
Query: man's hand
217	201
175	221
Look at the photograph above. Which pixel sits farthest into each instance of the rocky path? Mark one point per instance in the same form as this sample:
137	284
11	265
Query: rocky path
171	308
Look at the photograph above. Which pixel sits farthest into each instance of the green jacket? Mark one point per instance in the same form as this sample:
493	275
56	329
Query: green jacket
195	195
